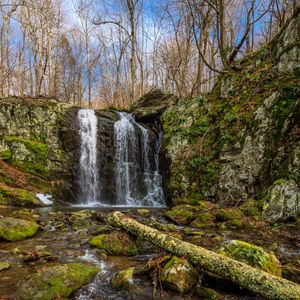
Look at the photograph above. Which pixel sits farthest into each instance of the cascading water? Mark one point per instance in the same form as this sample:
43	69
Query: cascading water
89	181
137	182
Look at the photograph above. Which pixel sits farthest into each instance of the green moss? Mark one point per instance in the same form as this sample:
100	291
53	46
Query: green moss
18	197
226	215
179	275
182	214
4	265
56	282
250	209
6	155
235	223
122	279
203	220
252	255
12	229
34	163
115	243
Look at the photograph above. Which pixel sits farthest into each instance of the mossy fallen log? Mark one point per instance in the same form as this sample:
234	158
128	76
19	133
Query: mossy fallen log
252	279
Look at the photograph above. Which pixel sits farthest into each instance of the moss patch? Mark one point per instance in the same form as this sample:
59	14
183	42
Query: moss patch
56	282
12	229
115	243
18	197
253	255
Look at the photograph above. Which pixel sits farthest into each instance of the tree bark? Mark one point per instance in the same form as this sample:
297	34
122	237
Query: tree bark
254	280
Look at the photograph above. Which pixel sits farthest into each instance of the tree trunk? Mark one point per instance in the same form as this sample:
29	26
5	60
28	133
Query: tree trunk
254	280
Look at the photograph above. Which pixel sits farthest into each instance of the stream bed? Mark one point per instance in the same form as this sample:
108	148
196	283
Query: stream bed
65	233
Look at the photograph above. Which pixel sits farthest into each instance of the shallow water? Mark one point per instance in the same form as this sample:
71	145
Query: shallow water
66	239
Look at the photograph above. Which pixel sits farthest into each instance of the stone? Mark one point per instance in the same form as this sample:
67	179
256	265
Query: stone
115	243
56	282
123	279
282	201
206	293
181	214
4	265
18	197
179	275
252	255
12	229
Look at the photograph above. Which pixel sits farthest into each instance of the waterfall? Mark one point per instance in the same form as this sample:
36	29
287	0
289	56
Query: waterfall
138	183
89	181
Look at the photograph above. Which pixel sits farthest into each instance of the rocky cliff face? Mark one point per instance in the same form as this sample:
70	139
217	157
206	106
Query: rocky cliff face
233	143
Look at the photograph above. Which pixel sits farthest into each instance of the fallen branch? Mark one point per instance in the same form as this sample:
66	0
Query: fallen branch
254	280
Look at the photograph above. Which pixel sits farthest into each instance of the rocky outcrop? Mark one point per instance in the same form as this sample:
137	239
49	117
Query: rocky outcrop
231	144
282	201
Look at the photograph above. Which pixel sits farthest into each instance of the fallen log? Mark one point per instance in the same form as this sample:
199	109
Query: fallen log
243	275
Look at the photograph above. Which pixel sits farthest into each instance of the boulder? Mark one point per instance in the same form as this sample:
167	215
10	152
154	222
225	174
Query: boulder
179	275
56	282
252	255
12	229
122	279
282	201
182	214
115	243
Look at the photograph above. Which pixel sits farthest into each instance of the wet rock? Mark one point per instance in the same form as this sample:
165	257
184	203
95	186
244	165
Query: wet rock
115	243
179	275
100	229
282	201
27	214
182	214
291	270
56	282
206	293
12	229
122	279
252	255
4	265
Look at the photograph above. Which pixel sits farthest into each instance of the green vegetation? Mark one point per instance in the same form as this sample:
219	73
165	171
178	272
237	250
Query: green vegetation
12	229
31	159
253	255
56	282
115	243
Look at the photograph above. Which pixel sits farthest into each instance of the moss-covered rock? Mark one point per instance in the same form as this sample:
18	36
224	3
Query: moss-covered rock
207	293
250	209
12	229
115	243
226	215
282	201
252	255
18	197
179	275
122	279
182	214
203	220
4	265
56	282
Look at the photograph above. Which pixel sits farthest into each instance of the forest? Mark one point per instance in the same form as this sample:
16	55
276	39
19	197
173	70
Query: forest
111	52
